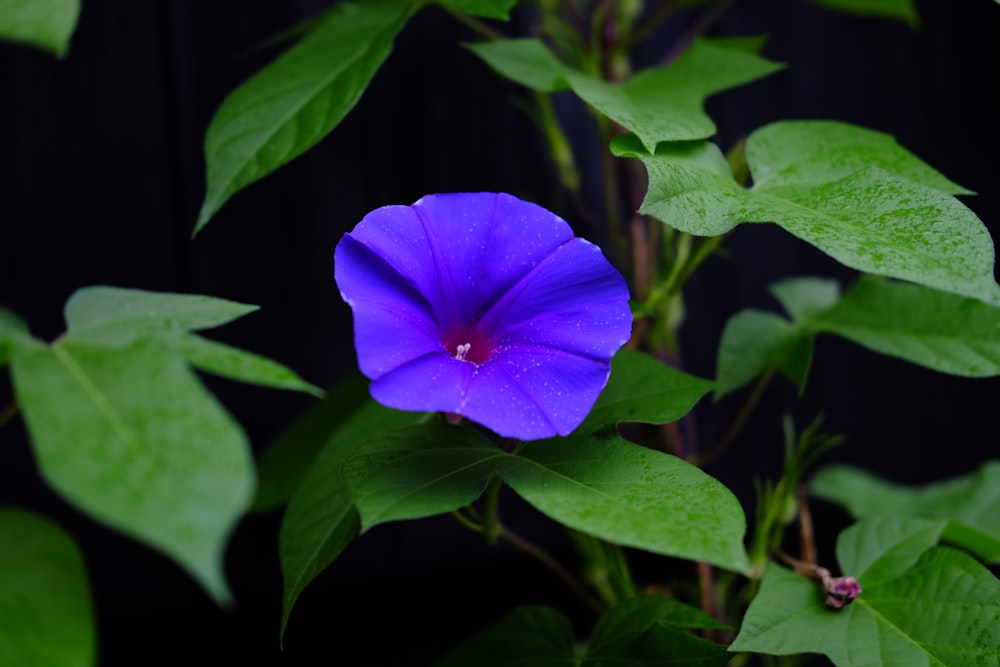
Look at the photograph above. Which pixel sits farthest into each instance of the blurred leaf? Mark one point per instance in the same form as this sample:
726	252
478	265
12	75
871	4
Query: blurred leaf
292	103
641	389
526	61
129	436
970	504
11	327
804	296
47	24
123	429
657	104
321	519
872	208
944	332
901	10
755	341
490	9
46	616
419	471
633	496
287	458
531	636
116	315
236	364
920	605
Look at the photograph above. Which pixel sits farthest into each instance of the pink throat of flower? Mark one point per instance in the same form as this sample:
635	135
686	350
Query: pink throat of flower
469	346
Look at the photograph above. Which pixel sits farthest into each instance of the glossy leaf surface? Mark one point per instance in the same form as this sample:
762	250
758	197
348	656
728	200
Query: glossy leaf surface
920	605
873	208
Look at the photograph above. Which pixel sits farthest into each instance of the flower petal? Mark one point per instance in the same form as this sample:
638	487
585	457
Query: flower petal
432	383
575	280
393	323
483	243
530	392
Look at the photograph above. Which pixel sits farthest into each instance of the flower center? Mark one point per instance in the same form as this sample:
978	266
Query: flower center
469	345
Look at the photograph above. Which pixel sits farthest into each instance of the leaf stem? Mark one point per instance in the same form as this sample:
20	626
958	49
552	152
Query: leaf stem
555	567
704	23
740	420
491	519
474	24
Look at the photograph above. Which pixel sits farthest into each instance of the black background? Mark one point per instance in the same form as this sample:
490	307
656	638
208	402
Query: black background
102	176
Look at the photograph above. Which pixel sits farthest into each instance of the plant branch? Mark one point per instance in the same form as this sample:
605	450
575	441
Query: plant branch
705	22
734	429
474	24
555	567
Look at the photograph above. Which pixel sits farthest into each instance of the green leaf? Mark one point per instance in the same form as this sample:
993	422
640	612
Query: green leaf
490	9
945	332
12	327
870	209
666	104
130	436
817	151
901	10
47	24
969	504
641	389
287	458
236	364
754	341
527	61
46	616
633	496
640	631
114	313
530	636
658	104
419	471
804	296
920	604
287	107
321	519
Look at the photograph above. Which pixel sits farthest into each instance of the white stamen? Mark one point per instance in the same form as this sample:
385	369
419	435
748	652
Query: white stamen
462	350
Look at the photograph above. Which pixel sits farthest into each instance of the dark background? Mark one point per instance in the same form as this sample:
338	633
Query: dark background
102	176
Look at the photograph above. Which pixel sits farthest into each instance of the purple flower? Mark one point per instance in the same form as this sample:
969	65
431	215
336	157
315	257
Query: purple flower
484	306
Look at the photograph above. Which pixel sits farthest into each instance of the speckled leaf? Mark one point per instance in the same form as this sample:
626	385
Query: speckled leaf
871	209
657	104
921	605
945	332
321	519
901	10
292	103
46	616
631	495
970	504
47	24
642	389
129	436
